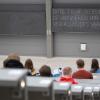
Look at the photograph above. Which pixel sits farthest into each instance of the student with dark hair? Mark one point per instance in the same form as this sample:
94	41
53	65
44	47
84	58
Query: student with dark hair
81	73
30	67
94	66
45	71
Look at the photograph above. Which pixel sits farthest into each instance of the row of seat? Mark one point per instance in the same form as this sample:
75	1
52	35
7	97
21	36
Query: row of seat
15	85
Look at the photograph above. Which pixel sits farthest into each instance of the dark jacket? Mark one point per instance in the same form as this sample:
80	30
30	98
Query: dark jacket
13	64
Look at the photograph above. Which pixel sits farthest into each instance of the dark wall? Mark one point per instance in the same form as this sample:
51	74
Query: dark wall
23	29
27	45
22	17
22	1
69	33
19	19
68	44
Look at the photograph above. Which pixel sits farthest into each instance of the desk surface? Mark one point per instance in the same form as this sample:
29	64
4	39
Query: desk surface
61	87
10	77
39	83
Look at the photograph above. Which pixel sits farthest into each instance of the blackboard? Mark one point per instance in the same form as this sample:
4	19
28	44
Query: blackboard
22	23
22	19
76	20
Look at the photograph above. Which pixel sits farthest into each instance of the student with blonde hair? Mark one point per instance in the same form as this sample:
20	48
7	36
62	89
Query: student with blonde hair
13	61
13	56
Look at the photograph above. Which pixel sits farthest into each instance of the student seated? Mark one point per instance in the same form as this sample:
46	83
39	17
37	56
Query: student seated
30	67
45	71
67	77
13	61
95	66
57	72
81	73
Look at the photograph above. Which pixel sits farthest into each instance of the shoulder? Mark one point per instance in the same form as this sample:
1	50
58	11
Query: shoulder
98	71
87	72
78	71
75	74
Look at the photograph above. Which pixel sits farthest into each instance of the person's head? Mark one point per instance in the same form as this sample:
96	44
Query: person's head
67	71
29	64
13	61
45	71
80	63
95	64
13	56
